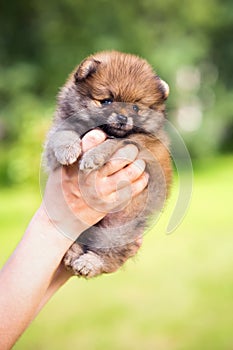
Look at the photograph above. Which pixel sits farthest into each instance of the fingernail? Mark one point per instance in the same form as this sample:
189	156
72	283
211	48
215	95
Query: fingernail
146	176
131	151
128	152
100	135
140	164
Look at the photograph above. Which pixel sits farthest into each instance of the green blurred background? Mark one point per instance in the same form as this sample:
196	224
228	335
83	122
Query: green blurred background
178	293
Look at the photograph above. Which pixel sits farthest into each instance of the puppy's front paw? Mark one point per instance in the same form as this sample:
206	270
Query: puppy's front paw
96	157
68	153
92	160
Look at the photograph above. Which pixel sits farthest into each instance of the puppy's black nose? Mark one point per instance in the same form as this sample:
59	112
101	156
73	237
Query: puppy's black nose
122	118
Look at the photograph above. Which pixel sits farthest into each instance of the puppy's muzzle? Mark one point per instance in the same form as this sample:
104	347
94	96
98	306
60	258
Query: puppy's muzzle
121	119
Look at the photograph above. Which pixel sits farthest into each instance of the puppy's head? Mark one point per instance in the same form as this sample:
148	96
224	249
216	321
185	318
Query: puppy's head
124	88
120	77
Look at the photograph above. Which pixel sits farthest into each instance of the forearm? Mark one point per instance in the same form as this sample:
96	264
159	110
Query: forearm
61	276
29	277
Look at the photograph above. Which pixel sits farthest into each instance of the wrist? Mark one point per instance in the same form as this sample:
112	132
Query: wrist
58	232
48	232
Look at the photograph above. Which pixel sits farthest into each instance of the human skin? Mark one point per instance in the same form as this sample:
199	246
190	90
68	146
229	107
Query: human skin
34	271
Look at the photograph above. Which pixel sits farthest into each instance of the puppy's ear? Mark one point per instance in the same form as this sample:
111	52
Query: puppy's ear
85	69
163	87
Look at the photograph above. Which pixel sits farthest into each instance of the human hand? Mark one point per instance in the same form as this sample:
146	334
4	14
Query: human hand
74	202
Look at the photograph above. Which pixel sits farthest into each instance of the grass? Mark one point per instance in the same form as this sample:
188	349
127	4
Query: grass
176	295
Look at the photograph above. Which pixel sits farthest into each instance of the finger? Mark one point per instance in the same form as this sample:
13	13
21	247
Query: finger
140	184
129	174
124	176
121	197
92	139
120	159
117	199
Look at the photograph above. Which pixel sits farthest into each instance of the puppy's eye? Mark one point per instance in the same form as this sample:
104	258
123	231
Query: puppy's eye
135	108
106	101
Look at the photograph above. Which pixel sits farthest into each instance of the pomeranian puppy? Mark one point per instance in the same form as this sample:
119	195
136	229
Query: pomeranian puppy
122	95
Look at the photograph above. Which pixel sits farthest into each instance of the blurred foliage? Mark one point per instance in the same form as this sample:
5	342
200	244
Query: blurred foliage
189	43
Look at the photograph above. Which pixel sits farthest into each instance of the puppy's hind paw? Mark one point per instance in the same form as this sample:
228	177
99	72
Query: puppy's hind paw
88	265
